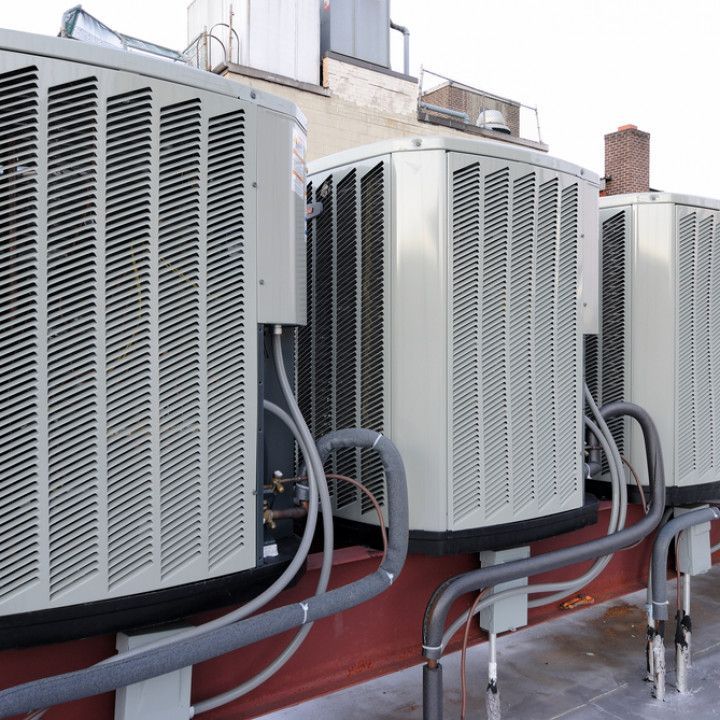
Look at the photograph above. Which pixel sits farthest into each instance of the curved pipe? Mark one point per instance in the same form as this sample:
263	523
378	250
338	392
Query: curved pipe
660	554
442	599
105	677
406	45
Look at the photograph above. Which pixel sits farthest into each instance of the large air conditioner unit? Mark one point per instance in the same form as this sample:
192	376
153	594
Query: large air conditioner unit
659	339
445	309
132	195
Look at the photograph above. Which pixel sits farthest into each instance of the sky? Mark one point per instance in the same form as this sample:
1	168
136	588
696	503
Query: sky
588	65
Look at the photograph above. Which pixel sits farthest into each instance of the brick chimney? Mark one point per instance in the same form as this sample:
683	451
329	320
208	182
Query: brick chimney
627	161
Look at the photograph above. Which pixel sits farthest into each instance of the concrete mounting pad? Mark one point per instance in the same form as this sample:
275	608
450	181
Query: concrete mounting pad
586	665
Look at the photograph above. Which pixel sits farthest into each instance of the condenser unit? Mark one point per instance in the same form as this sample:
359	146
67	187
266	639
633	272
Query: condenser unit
129	353
659	340
444	309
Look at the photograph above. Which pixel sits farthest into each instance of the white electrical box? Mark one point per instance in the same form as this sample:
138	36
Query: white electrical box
446	310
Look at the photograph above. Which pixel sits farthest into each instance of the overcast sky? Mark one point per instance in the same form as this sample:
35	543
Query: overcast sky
588	65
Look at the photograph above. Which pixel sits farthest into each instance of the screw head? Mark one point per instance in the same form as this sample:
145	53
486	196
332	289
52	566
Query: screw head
253	94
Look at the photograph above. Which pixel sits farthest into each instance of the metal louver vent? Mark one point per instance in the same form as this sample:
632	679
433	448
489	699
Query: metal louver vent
697	327
340	352
685	313
347	341
613	326
372	325
515	343
493	340
20	278
127	333
226	343
127	338
179	306
467	483
703	358
73	343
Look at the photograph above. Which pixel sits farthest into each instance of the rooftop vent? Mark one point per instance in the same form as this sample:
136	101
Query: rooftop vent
492	120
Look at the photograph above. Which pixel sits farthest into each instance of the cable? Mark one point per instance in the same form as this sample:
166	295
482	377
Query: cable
463	655
636	477
75	685
279	584
562	589
297	425
373	500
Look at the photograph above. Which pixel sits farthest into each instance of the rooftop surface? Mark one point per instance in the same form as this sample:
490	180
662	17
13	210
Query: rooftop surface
588	665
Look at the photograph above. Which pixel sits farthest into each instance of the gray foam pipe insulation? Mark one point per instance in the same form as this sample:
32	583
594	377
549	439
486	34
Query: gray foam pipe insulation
218	641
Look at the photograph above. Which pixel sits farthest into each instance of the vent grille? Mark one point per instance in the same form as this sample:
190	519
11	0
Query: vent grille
346	384
341	351
612	330
698	335
515	341
72	301
128	343
493	340
19	332
179	303
372	325
127	333
467	485
522	449
226	343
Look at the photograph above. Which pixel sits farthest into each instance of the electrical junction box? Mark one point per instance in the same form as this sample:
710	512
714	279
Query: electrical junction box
445	310
129	336
660	333
694	556
166	697
512	613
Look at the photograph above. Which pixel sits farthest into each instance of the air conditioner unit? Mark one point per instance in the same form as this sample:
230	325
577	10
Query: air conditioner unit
659	339
129	332
444	309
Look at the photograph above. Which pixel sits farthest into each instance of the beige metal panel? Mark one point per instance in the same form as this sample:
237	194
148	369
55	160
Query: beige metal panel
651	336
419	391
280	195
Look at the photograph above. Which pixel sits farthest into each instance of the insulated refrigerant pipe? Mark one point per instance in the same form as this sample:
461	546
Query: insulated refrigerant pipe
443	598
659	595
161	660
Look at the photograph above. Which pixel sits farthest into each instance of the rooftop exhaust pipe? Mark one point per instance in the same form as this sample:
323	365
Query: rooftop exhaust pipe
492	120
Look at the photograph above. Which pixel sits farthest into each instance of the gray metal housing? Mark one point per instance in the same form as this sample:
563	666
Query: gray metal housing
128	336
444	285
356	28
659	340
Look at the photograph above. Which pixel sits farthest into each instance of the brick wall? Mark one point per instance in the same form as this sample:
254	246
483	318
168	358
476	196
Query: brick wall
467	101
627	161
358	106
